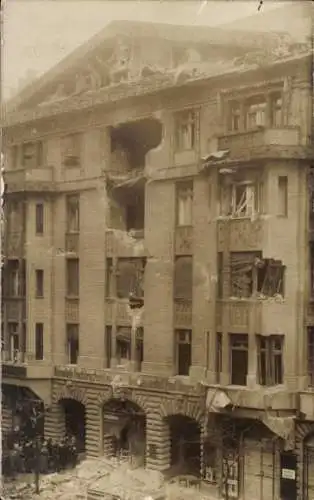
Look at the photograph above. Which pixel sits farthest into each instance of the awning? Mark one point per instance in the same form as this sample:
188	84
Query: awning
217	400
283	427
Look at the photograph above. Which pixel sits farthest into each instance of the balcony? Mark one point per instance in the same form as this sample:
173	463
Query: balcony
72	310
184	240
15	309
129	380
235	316
240	235
262	142
182	313
23	366
118	312
125	244
30	180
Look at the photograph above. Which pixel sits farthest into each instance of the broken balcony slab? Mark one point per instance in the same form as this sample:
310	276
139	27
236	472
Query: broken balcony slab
125	243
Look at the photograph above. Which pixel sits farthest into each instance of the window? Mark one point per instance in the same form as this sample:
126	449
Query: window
255	112
270	360
130	277
239	358
244	199
186	130
108	342
71	150
312	270
218	357
39	283
32	154
183	351
15	156
220	275
123	347
73	343
276	110
234	122
310	354
184	198
14	341
73	213
73	288
183	278
243	273
14	278
39	341
270	277
283	196
139	355
39	209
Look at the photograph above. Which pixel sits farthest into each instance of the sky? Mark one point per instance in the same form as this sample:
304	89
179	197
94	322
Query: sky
37	34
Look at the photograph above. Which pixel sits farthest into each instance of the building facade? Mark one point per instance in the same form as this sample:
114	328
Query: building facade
156	284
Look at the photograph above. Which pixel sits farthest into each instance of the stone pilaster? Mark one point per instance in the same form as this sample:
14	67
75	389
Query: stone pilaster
93	426
54	426
157	443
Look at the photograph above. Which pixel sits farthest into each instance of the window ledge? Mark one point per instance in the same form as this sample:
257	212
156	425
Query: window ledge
40	297
72	297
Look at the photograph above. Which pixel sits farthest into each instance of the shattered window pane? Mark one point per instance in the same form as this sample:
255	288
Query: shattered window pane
130	277
270	279
185	130
244	200
242	273
270	360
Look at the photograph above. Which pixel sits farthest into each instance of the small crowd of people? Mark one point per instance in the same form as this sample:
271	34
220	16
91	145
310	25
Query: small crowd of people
45	456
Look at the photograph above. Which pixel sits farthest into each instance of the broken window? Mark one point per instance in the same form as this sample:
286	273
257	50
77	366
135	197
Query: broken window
255	112
72	343
239	358
73	277
184	197
39	216
71	150
243	273
276	110
283	196
310	354
183	351
270	359
183	278
32	154
123	345
270	277
244	199
39	341
73	213
234	121
39	273
135	212
186	130
218	357
130	277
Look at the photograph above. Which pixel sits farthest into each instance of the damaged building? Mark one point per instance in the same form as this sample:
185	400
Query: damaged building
158	255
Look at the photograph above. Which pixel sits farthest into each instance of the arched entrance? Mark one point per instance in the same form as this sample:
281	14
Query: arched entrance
185	444
309	468
75	420
124	425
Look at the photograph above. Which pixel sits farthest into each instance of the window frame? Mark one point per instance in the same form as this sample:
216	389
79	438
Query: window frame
71	150
183	337
39	218
73	337
39	283
187	118
243	346
69	291
73	213
283	192
184	198
39	341
270	352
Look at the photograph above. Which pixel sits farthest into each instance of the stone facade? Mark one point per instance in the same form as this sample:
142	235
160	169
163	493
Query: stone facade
155	380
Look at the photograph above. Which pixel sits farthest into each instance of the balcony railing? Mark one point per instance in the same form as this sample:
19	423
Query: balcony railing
240	235
258	142
124	244
35	179
16	357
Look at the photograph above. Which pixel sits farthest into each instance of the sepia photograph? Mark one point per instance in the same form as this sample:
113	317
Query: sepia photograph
157	250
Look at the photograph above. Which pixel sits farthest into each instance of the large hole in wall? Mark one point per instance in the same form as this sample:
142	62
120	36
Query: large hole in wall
130	142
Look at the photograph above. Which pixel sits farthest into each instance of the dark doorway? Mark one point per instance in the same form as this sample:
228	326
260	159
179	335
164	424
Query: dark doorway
75	421
185	444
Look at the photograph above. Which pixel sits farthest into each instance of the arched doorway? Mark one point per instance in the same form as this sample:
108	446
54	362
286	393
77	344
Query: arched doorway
75	420
309	468
124	425
185	444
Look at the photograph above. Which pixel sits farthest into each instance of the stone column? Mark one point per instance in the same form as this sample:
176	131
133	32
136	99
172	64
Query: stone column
157	443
